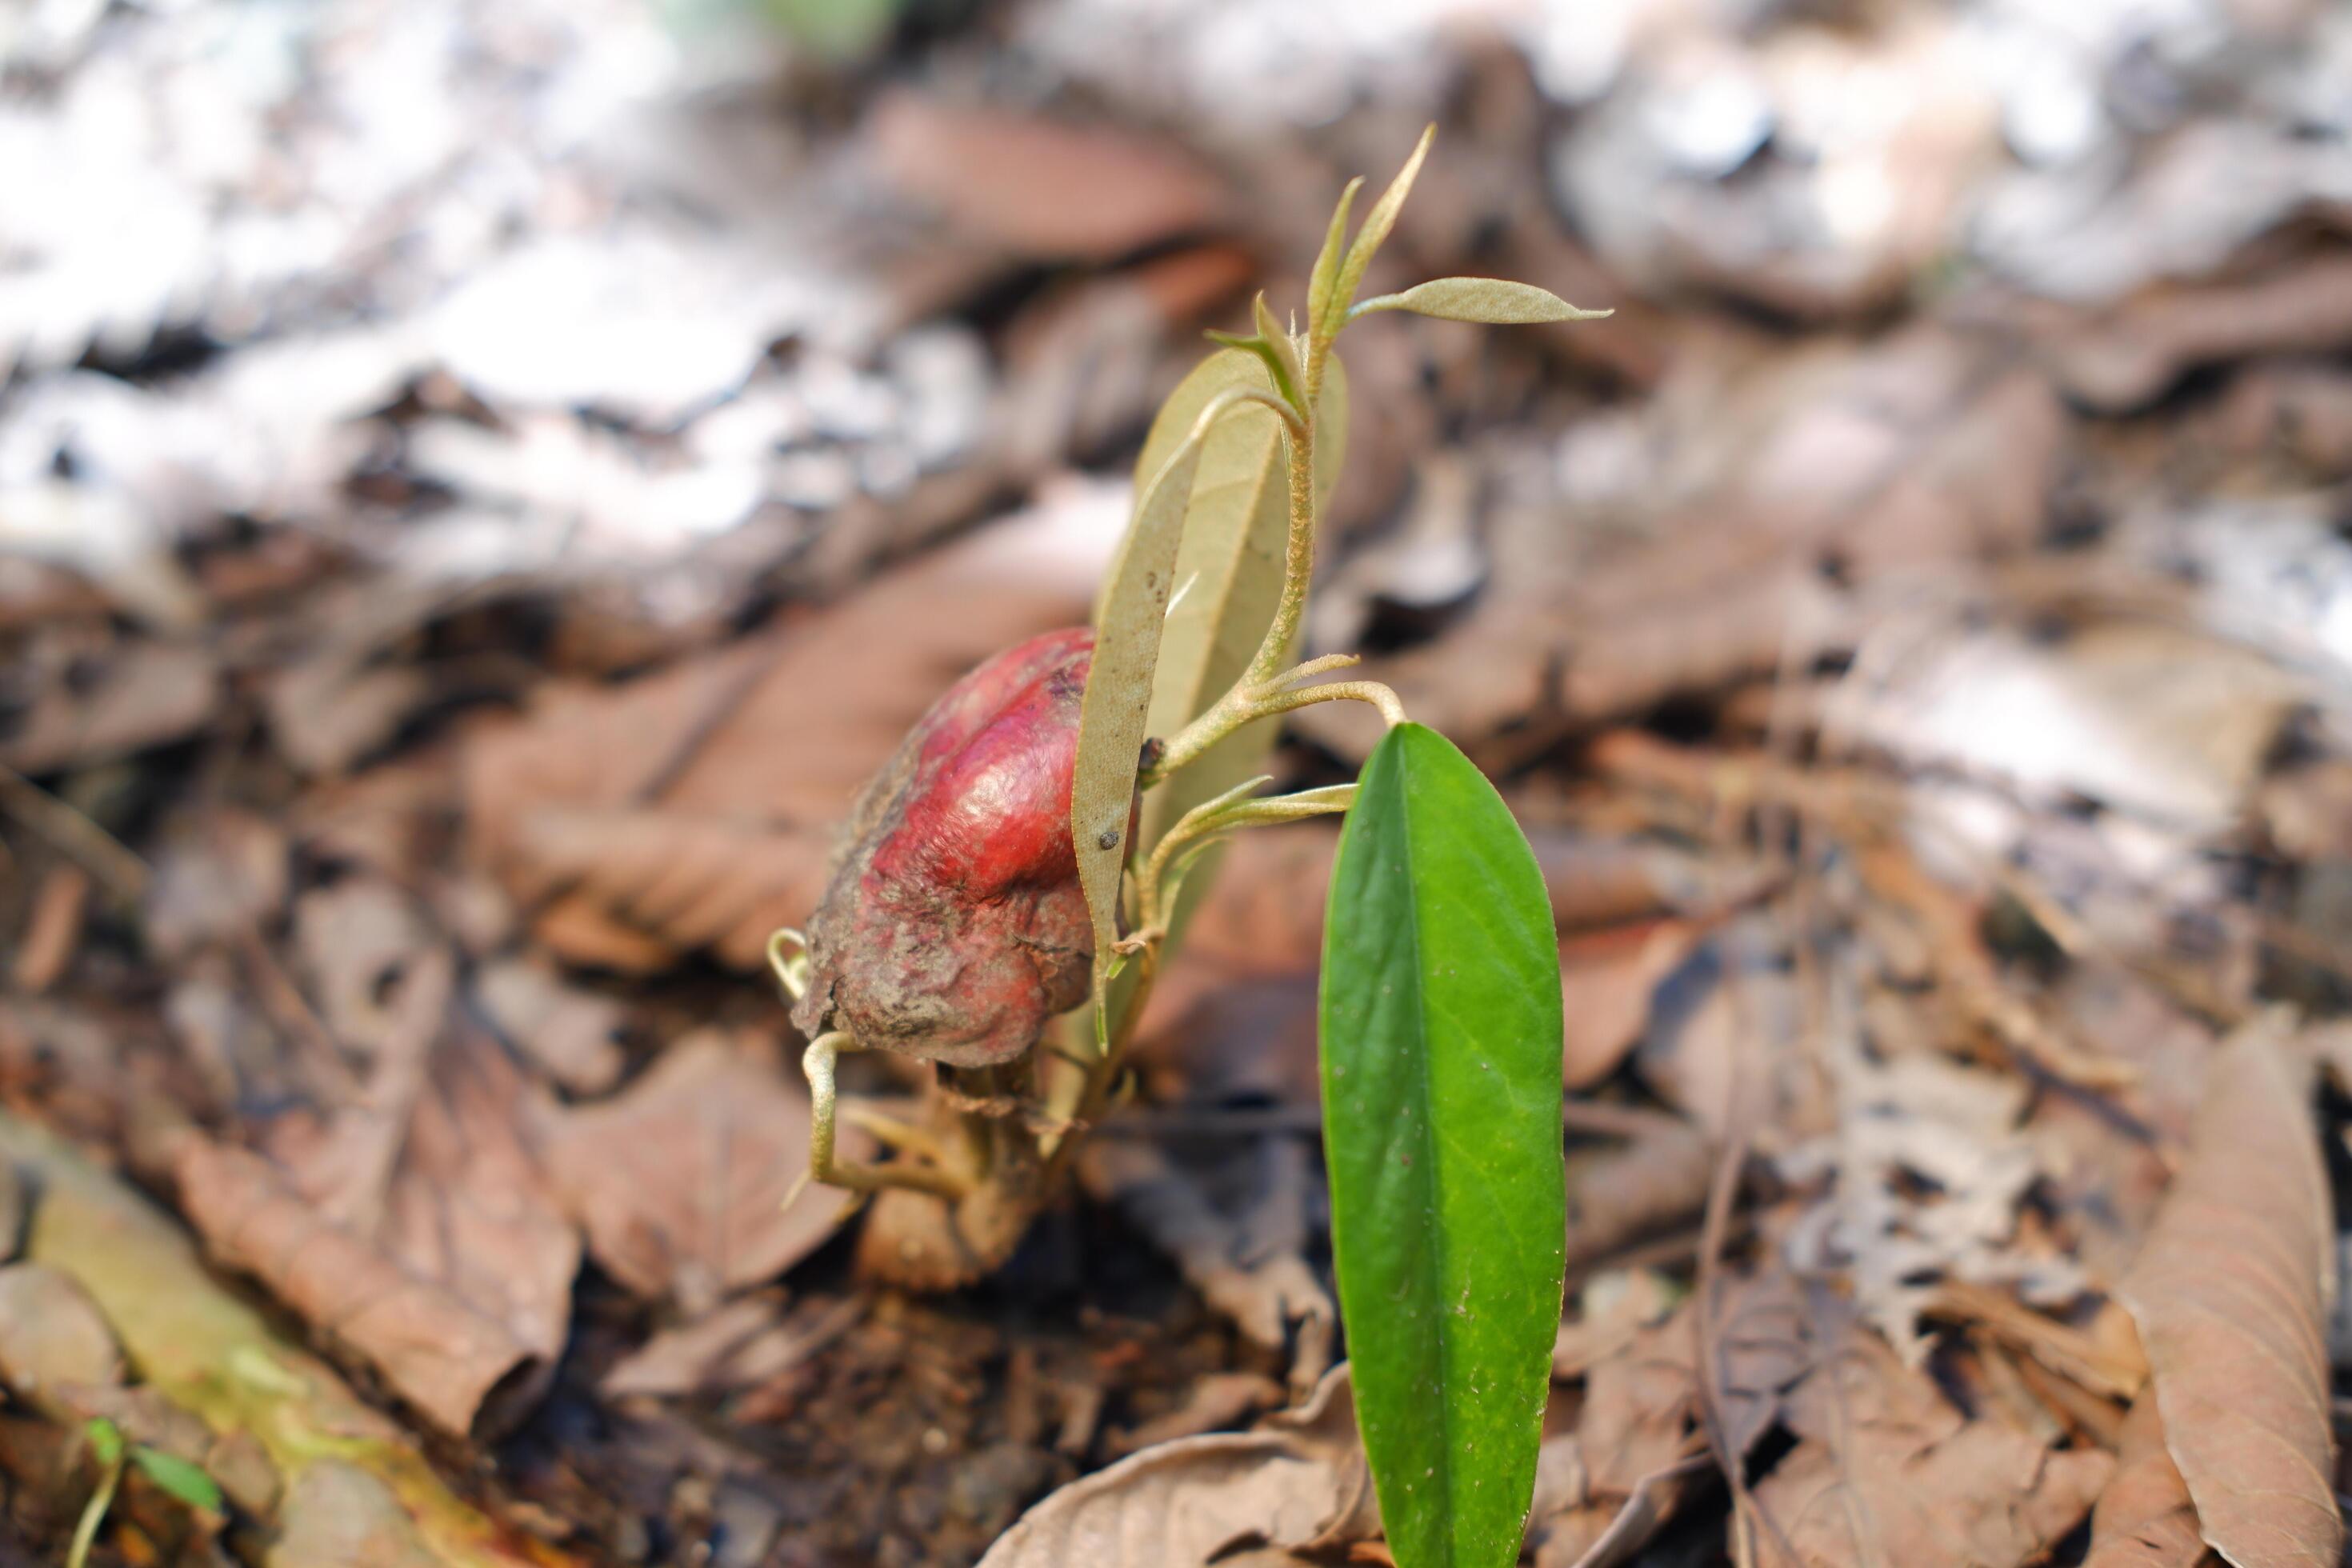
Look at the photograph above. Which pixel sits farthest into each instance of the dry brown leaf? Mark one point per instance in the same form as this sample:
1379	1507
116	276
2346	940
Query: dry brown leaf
1640	1404
1298	1481
217	876
1037	188
1250	1266
696	806
742	1344
566	1032
1605	983
145	694
1888	1471
681	1180
2145	1518
1659	1178
52	1335
52	930
1922	447
2136	351
2230	1294
357	937
416	1226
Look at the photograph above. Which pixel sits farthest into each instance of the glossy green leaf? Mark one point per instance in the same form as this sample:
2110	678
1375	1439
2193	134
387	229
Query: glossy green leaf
181	1479
1494	301
1441	1042
1371	236
1228	571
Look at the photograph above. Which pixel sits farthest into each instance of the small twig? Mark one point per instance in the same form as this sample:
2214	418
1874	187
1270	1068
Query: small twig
101	853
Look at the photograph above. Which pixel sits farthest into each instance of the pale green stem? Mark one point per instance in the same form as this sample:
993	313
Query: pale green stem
817	1062
85	1533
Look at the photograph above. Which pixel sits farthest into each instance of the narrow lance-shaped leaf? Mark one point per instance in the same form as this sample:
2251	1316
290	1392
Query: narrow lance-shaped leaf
1111	716
1229	568
1326	276
1370	238
1494	301
187	1482
1442	1040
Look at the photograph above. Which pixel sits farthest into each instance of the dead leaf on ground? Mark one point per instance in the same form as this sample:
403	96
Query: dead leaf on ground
1298	1481
1606	980
1249	1264
1037	188
681	1180
357	938
2132	354
2145	1518
697	806
2231	1294
95	710
1888	1470
53	929
218	876
415	1226
52	1335
739	1344
1655	1181
565	1031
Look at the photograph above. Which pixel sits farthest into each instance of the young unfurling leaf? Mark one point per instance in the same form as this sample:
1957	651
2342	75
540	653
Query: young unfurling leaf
1369	239
1494	301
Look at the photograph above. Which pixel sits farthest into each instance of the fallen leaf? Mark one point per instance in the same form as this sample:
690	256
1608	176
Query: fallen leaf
216	877
2231	1293
52	1335
681	1180
416	1226
1298	1481
742	1344
52	930
1043	189
1606	980
144	694
2131	354
696	806
1250	1266
1659	1178
566	1032
357	938
2145	1518
1888	1470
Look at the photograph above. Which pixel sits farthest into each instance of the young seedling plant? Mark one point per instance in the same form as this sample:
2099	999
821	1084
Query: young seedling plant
1011	884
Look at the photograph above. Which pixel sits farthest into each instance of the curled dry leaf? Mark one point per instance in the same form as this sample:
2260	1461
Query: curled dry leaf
1298	1481
696	807
566	1032
2230	1294
52	1335
416	1226
2137	351
1659	1178
1888	1470
680	1180
2145	1518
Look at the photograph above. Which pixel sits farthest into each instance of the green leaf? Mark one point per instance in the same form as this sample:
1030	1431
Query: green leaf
1230	569
1442	1043
181	1479
1369	238
105	1439
1496	300
1127	625
1326	276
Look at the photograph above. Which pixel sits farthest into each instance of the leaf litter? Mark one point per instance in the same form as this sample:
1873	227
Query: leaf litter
1912	633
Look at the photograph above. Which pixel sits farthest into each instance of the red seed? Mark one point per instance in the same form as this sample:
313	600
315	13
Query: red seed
954	925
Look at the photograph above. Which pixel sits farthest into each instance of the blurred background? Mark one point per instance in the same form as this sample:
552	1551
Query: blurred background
482	484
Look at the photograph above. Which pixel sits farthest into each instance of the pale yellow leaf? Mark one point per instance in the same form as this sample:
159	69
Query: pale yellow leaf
1494	301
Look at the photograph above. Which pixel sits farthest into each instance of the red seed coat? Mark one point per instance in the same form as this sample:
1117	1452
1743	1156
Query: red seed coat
954	925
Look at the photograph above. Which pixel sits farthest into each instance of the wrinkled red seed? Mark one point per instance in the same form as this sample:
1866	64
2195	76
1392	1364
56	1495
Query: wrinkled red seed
954	925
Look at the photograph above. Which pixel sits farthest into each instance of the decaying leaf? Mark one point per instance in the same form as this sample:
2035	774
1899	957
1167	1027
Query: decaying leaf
2145	1518
415	1226
680	1180
1888	1470
2230	1294
1298	1481
147	694
1036	187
